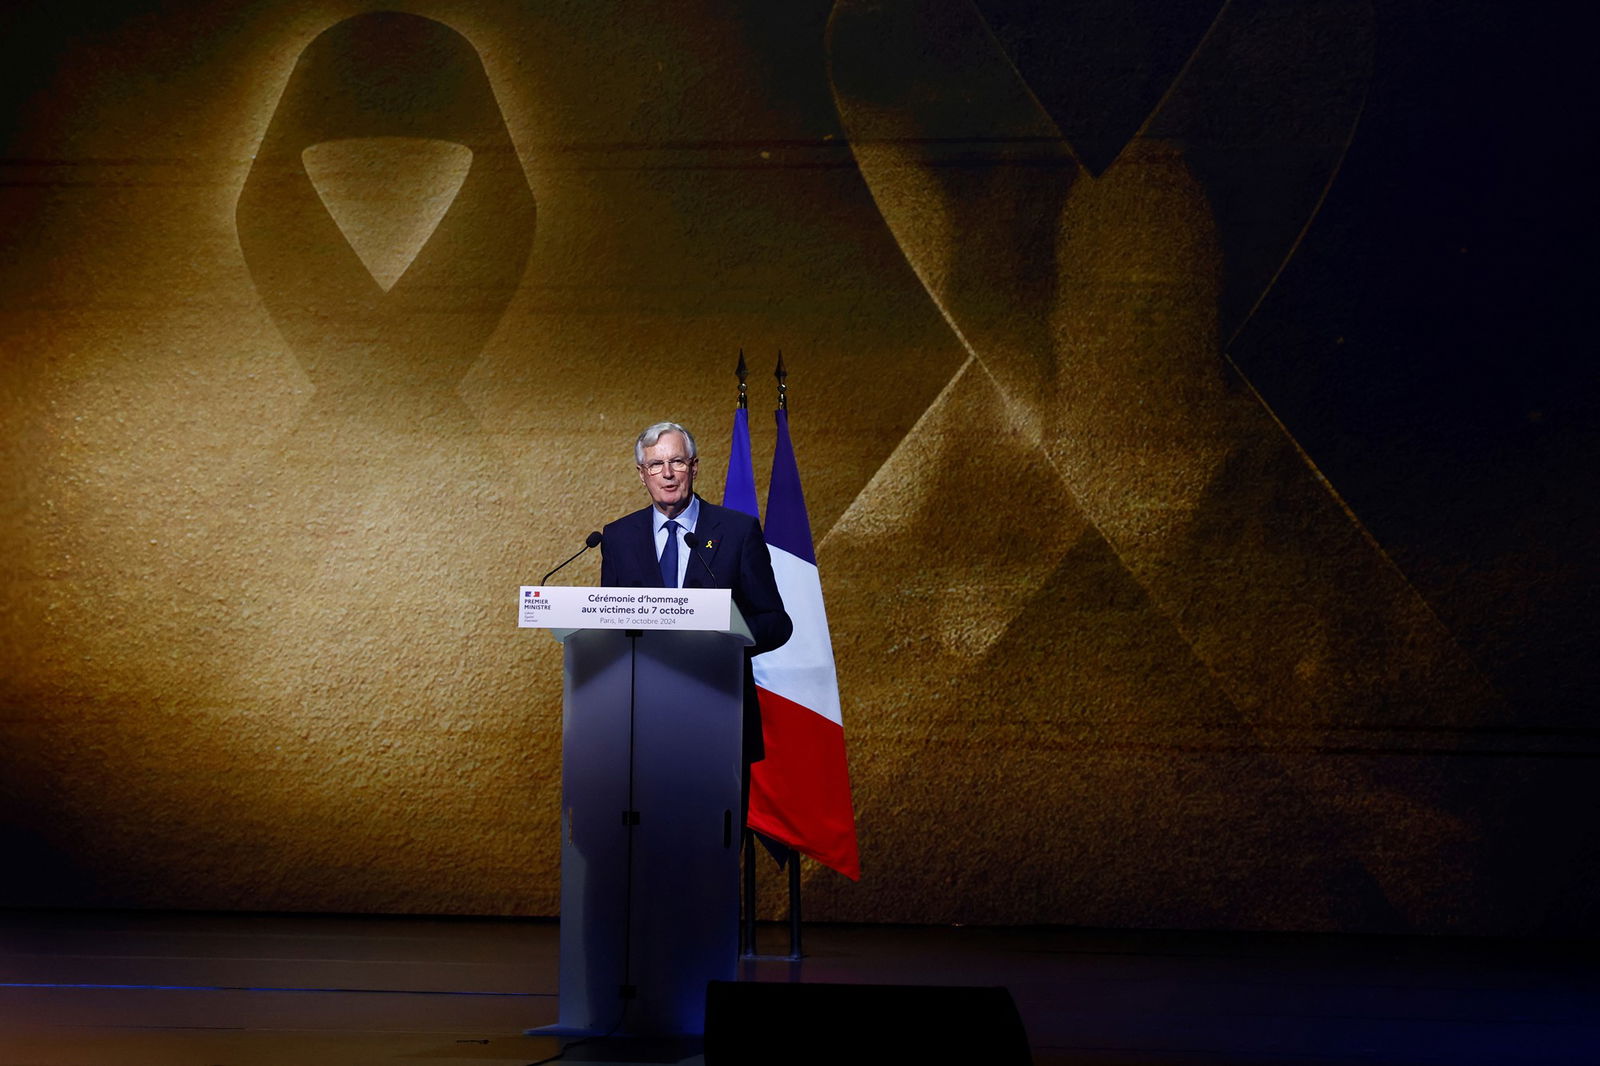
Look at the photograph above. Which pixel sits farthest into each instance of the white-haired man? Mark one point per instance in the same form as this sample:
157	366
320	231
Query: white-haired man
659	545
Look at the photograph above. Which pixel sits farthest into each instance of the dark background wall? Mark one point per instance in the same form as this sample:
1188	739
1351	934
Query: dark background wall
1238	361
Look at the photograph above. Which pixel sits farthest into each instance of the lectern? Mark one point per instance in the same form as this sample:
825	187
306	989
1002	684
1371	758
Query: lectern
650	808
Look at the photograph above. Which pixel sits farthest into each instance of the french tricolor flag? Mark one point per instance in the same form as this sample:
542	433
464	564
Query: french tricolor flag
800	793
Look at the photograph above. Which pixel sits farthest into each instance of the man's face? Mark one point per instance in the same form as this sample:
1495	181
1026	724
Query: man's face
672	485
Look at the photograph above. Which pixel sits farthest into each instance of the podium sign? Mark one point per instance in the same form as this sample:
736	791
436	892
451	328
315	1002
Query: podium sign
570	607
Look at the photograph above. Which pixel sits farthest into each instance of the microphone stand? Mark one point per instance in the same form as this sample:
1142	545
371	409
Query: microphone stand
589	542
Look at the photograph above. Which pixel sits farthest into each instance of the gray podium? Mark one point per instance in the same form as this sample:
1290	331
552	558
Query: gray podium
650	781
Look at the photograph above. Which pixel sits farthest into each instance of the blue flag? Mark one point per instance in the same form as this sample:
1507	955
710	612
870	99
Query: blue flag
739	488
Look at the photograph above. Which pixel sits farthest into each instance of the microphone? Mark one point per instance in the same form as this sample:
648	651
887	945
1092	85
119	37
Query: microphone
592	540
689	540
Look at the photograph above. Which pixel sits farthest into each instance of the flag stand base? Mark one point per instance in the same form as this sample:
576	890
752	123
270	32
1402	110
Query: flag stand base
790	860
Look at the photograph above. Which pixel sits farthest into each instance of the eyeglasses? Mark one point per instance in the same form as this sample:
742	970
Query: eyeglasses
656	467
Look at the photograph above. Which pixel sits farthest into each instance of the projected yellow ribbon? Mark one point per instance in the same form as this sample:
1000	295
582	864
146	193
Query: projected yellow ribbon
393	76
1096	310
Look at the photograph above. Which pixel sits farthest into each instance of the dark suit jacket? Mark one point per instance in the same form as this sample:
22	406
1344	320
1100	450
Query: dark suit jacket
738	560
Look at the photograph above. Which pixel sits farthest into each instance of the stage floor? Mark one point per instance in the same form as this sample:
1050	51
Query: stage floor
147	989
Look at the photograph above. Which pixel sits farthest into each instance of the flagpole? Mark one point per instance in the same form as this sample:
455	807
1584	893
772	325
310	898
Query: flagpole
739	487
739	456
792	862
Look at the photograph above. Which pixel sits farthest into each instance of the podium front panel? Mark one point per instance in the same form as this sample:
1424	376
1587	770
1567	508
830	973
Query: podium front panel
650	848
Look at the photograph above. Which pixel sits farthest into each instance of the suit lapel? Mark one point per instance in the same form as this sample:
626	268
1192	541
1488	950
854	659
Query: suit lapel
644	542
707	531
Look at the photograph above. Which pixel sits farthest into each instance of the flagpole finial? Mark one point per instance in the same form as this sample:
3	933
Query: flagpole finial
744	388
783	383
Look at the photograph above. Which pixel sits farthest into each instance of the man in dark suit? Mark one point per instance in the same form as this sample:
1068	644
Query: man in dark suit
681	541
